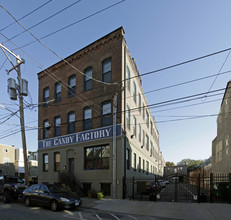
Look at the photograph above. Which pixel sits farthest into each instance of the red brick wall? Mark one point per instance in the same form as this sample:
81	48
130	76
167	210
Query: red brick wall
109	46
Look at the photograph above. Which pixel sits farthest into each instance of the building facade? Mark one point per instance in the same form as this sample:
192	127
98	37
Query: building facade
7	159
221	145
95	121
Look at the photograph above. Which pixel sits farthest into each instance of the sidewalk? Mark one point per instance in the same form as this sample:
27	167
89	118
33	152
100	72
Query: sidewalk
184	211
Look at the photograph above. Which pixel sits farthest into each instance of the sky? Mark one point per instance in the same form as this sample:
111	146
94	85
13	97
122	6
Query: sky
159	34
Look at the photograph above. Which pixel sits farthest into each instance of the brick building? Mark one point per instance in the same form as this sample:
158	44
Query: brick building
77	125
221	147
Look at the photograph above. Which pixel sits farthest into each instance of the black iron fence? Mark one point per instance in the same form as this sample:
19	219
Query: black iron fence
215	188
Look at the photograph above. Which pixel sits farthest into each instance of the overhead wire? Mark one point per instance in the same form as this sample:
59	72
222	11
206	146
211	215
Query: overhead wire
44	20
26	15
74	23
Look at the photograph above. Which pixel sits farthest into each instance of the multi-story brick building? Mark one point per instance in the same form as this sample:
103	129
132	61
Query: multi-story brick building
221	148
77	101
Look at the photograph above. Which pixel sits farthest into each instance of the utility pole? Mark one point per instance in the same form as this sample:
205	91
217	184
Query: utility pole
114	146
20	94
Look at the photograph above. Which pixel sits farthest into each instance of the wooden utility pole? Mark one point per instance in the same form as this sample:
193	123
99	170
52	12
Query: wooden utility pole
20	95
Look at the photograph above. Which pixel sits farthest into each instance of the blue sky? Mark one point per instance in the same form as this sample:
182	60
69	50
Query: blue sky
158	34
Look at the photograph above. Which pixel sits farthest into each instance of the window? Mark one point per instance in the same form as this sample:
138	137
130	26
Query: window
127	117
147	118
139	102
57	126
71	122
71	86
45	96
97	157
151	128
134	91
106	114
134	125
5	150
147	167
87	118
46	127
139	132
58	92
147	142
128	158
106	71
45	162
143	137
88	79
151	148
143	165
143	112
139	164
56	161
134	160
128	78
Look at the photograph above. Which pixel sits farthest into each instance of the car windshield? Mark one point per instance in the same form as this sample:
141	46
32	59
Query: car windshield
13	180
56	188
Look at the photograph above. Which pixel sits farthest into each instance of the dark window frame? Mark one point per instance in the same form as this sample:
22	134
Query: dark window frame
70	124
45	163
107	75
87	122
71	88
94	162
45	97
57	128
57	163
87	79
106	118
58	93
45	133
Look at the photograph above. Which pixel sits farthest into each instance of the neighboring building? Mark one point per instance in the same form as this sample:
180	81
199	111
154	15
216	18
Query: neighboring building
32	163
7	159
19	162
76	120
171	171
221	145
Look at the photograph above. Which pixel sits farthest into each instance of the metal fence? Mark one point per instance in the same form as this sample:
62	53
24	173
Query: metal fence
215	188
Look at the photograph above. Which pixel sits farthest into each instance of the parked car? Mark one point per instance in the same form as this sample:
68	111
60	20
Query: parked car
11	187
162	183
53	196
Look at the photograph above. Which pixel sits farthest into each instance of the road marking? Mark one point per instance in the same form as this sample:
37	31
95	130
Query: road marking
80	215
114	216
97	216
132	217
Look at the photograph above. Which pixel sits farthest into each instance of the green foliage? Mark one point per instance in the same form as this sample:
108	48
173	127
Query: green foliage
192	164
169	164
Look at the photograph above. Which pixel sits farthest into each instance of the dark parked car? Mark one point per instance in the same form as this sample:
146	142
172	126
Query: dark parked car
11	187
51	195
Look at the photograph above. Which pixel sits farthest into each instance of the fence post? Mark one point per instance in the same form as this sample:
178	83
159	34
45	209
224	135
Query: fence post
211	187
199	188
229	188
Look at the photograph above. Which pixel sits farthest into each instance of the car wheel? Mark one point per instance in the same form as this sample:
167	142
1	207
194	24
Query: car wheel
27	201
54	205
7	197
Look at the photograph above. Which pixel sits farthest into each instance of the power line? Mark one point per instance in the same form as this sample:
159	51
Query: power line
52	51
36	9
46	19
74	23
181	63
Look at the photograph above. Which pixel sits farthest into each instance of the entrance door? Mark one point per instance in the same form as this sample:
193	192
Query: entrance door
71	166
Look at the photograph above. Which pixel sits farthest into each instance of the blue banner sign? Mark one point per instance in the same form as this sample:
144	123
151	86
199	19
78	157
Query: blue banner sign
90	135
